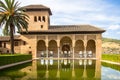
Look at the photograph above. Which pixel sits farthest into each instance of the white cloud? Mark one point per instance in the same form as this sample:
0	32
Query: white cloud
114	27
94	12
118	33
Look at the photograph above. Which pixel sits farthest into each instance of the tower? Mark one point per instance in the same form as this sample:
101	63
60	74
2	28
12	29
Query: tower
39	17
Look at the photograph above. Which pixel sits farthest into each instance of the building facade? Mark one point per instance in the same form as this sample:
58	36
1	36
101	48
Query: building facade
61	41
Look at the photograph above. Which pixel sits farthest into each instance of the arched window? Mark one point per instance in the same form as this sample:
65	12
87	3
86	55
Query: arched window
35	18
41	26
39	18
24	43
43	19
4	45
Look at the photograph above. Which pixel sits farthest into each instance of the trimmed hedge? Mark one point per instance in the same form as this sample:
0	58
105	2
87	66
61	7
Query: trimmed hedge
111	57
8	59
113	66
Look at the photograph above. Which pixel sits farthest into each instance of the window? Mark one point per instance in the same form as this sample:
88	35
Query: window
16	43
35	18
29	47
30	52
4	45
43	18
0	44
39	18
41	26
24	43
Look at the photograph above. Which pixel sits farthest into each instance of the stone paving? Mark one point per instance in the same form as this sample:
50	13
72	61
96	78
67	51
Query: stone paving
110	62
14	64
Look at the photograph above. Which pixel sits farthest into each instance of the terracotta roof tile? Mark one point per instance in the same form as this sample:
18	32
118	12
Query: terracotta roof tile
68	29
37	8
7	38
74	28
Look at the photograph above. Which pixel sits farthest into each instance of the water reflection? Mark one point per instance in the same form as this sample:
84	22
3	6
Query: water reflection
64	69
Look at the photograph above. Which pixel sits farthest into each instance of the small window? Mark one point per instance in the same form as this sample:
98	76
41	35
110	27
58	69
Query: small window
4	45
16	43
30	52
24	43
43	18
0	44
39	18
29	47
35	18
7	51
41	26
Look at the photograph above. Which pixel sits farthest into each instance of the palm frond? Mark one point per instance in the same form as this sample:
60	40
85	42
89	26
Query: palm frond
2	5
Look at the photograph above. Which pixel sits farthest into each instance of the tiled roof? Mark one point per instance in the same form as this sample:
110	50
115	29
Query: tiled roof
82	28
37	8
7	38
64	29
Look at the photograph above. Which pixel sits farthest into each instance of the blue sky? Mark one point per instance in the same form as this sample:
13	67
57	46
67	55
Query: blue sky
100	13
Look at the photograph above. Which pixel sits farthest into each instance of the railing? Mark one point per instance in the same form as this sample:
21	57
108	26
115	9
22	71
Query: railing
66	54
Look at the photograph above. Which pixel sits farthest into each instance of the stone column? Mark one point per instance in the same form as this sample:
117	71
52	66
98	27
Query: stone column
73	52
85	45
58	52
73	46
46	52
85	42
58	44
46	41
98	47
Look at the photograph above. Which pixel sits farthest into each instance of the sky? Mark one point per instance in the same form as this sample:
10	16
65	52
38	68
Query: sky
100	13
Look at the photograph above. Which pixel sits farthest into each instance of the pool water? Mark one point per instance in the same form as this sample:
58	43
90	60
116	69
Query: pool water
62	70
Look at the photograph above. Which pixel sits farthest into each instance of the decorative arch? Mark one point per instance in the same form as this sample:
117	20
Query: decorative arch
91	46
52	46
41	47
79	46
66	43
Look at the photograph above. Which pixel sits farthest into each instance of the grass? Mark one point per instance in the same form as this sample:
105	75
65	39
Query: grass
14	72
116	67
111	57
8	59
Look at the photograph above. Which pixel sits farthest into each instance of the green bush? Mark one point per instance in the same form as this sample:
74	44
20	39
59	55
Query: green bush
111	57
113	66
8	59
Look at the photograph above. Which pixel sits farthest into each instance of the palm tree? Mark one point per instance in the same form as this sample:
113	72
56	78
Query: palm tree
12	16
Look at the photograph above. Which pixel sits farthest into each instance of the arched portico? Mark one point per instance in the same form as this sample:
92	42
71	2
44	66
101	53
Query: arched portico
66	46
91	48
52	48
41	48
79	47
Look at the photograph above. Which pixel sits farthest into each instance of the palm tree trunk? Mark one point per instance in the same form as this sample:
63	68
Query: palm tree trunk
12	37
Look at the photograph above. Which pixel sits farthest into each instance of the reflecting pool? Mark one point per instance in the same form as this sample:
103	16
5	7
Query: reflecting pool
64	69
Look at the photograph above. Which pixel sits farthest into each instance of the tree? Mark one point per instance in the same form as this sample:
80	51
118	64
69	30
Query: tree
12	16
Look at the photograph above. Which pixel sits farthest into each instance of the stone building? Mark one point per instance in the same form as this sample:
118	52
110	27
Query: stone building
43	39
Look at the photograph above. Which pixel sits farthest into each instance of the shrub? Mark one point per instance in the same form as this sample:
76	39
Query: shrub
8	59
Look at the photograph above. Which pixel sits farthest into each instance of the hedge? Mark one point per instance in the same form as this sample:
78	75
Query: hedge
111	57
8	59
